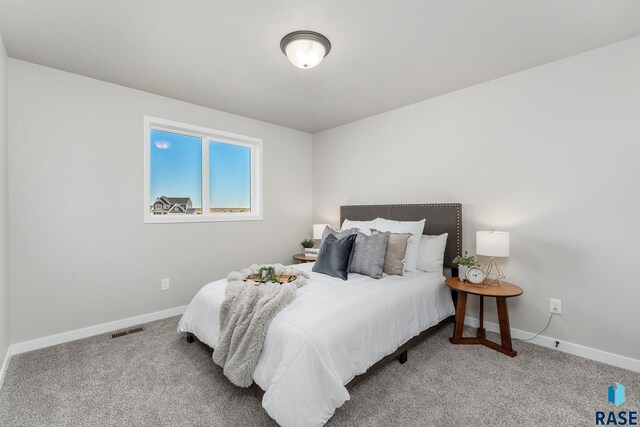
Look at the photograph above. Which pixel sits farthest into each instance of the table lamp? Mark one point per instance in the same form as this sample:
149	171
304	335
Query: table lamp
492	244
317	230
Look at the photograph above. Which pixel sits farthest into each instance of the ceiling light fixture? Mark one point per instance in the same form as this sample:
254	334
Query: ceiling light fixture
305	49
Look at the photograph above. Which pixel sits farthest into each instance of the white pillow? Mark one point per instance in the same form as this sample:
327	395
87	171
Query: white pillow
363	226
413	245
431	253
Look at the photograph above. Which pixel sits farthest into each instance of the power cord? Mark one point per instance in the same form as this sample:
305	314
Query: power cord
545	328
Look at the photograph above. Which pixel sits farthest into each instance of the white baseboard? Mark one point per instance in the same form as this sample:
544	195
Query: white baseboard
5	366
567	347
23	347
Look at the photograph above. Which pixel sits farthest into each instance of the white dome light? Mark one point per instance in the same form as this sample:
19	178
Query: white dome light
305	49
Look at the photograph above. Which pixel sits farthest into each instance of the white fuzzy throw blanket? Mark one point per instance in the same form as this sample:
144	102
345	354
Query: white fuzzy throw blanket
245	314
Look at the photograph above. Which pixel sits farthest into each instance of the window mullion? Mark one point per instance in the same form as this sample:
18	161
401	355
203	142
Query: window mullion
205	176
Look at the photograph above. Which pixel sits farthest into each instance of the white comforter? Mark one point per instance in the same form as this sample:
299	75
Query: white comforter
333	331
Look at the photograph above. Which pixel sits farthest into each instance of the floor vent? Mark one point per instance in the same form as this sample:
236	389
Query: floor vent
130	331
119	334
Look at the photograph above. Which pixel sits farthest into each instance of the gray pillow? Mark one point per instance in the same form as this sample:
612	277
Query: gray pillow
396	252
334	256
368	254
328	231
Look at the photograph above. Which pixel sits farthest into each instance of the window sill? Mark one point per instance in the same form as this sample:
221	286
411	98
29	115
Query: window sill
169	219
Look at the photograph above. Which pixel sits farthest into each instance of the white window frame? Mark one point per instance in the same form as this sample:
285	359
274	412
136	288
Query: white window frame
207	135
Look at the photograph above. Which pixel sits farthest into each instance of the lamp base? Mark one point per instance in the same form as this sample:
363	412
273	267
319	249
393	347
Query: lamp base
492	267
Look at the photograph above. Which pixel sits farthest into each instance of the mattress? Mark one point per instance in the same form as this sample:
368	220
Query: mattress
333	331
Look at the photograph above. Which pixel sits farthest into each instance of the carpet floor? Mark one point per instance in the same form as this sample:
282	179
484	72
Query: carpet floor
155	378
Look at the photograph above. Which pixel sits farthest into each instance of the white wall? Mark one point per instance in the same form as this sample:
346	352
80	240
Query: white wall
80	253
4	238
550	154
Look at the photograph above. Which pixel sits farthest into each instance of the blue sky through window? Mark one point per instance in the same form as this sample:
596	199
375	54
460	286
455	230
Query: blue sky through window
176	166
229	176
176	170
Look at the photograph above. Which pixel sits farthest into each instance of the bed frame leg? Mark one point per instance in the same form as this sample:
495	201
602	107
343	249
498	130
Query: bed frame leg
190	337
403	357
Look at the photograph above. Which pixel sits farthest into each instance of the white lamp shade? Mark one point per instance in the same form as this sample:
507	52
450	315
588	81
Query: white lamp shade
492	243
317	230
305	53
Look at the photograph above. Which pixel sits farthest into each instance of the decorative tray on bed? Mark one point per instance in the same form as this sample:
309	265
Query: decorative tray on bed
280	278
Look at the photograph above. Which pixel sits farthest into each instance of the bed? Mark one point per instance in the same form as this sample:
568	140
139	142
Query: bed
335	332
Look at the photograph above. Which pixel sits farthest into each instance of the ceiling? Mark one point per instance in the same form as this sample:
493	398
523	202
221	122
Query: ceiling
385	54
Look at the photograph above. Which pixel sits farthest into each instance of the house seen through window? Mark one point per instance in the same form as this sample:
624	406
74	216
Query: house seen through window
197	174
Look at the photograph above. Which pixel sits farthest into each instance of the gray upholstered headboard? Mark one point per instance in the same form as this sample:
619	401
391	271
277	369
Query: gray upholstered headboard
441	218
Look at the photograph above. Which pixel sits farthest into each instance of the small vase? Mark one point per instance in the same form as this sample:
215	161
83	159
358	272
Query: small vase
462	272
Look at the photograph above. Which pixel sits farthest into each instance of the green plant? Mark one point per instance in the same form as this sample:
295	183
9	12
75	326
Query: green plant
267	274
308	243
468	260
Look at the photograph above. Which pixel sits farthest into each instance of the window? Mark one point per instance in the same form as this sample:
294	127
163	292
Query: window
194	174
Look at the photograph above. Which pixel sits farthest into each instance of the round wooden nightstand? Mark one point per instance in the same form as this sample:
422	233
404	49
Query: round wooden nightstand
302	258
500	292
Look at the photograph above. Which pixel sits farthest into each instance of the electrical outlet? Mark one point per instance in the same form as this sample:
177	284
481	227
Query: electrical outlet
555	306
165	284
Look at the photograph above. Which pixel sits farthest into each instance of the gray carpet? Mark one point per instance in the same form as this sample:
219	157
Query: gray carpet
154	378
